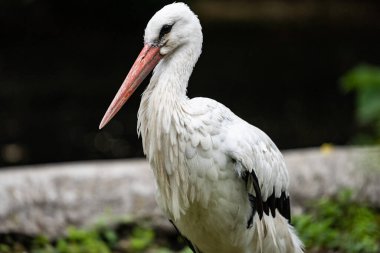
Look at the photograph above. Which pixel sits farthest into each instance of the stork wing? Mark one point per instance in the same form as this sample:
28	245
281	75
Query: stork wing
261	165
256	158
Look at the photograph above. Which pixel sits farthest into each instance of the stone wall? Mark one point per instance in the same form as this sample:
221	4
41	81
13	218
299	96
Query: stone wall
48	198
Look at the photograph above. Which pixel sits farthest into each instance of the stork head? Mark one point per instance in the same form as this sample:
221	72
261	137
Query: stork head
171	28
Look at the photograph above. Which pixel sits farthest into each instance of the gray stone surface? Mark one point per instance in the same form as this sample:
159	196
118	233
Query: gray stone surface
47	198
322	172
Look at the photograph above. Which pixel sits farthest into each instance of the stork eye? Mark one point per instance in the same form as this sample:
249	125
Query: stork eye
165	30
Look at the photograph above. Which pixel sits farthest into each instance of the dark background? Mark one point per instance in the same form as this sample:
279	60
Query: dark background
276	64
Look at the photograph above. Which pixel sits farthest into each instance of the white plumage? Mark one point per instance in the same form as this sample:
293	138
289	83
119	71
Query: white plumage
221	181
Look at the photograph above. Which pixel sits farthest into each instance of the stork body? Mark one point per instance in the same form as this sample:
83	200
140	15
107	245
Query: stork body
220	180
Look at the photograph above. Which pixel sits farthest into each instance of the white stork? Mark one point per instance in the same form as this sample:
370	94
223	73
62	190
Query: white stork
221	181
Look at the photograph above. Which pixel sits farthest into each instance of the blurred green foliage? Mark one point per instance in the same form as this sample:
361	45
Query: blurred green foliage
141	239
81	241
364	80
339	225
132	238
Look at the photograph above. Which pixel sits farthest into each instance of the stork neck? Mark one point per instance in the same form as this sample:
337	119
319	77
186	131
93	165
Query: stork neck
159	117
172	74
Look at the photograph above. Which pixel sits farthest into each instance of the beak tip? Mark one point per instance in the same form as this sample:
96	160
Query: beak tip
103	123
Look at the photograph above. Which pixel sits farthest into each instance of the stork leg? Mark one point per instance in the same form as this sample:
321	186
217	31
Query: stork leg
189	243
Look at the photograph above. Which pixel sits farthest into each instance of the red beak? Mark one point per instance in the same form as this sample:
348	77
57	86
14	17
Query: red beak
144	64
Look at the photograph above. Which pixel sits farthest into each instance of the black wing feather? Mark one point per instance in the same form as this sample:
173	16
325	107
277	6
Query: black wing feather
282	204
255	201
271	201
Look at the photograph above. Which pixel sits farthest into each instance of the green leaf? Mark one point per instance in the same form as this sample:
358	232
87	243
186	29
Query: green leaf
5	248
